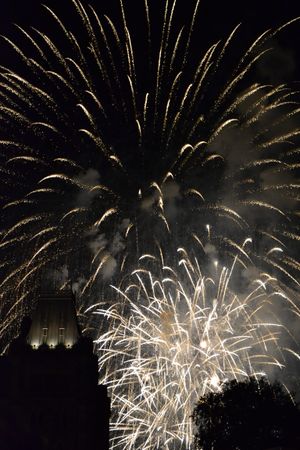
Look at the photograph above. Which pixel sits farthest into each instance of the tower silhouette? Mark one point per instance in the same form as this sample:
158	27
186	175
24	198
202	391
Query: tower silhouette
49	393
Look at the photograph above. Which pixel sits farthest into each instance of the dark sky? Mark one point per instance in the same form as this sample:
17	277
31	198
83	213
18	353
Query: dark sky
217	17
216	20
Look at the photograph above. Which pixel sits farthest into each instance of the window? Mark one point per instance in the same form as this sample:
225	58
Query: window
45	334
61	336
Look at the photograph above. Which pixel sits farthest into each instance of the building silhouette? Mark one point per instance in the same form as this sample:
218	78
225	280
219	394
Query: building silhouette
49	393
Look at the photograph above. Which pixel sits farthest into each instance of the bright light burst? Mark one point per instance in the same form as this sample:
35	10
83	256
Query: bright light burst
173	338
121	140
101	143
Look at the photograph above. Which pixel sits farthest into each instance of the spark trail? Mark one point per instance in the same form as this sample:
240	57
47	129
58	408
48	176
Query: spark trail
175	334
114	144
93	154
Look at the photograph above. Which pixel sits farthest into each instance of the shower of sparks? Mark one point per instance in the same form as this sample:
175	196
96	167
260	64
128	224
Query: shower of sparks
171	339
114	144
93	155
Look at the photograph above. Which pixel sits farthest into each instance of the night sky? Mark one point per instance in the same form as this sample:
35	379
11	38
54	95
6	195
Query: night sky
72	211
216	19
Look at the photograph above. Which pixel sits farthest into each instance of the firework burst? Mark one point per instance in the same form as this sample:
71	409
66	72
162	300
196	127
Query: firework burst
111	147
173	337
93	154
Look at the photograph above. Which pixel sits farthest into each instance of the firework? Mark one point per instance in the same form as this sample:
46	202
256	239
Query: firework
174	334
112	147
93	154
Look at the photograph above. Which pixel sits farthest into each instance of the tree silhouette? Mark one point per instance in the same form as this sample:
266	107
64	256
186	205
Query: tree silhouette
246	415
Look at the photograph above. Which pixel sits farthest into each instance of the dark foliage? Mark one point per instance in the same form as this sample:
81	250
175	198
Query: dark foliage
247	415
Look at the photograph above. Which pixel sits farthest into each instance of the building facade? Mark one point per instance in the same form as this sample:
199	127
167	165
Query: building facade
49	392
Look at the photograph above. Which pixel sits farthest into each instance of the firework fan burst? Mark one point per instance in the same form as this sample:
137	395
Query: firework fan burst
175	334
115	143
